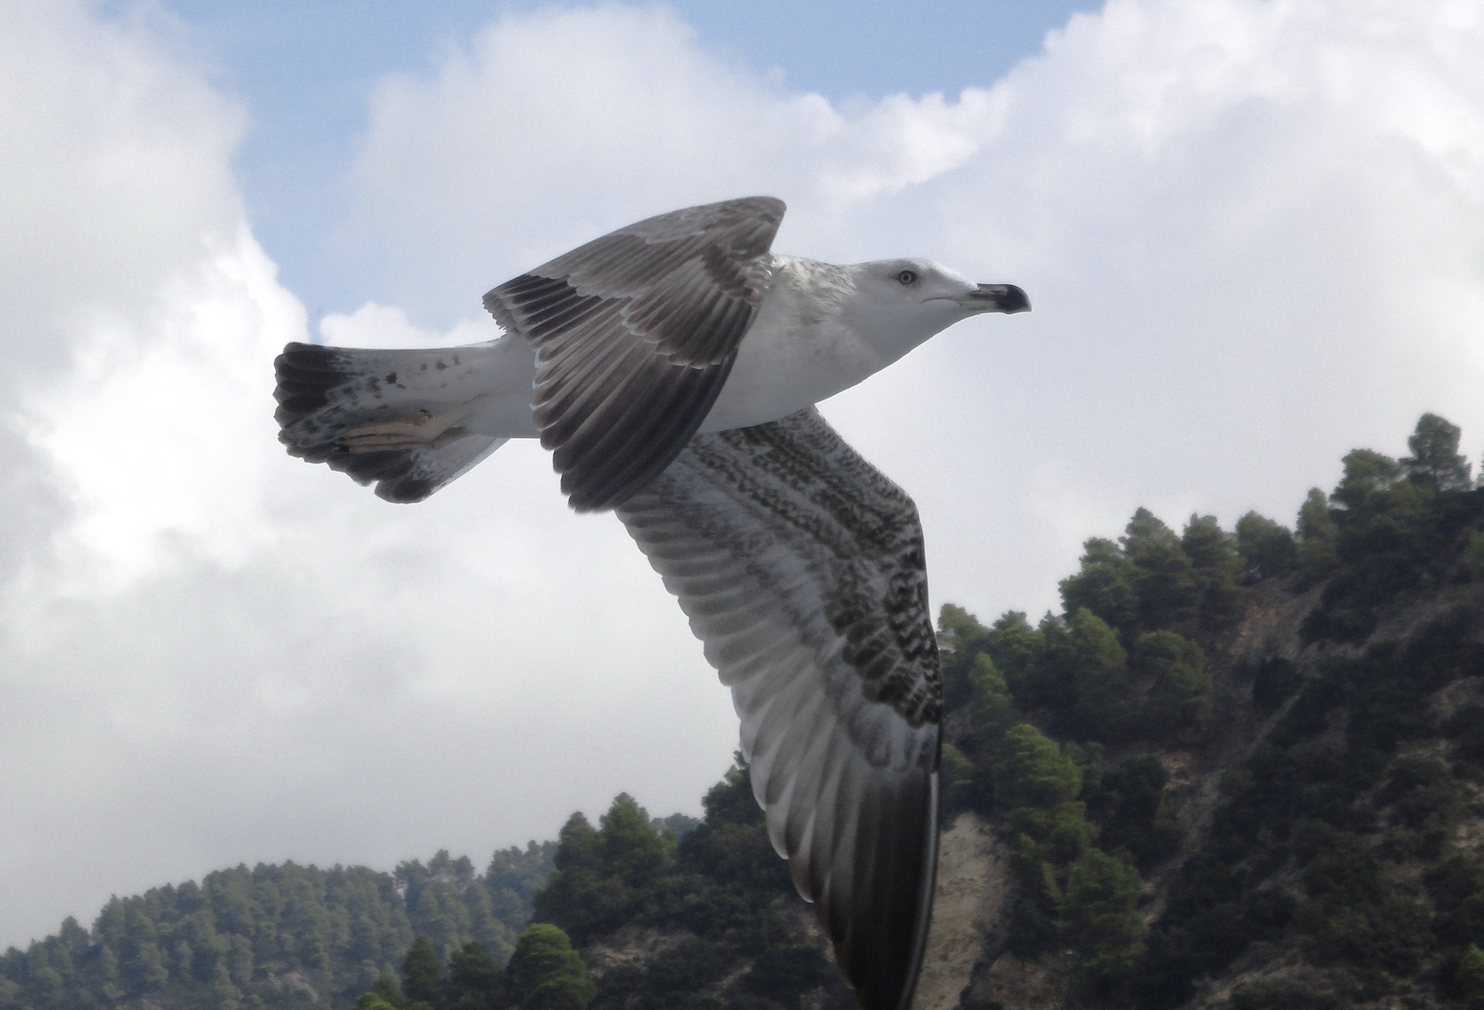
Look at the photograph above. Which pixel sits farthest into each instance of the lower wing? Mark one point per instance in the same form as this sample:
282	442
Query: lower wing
801	569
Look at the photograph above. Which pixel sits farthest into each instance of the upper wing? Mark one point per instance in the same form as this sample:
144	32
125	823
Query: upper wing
801	569
635	333
323	392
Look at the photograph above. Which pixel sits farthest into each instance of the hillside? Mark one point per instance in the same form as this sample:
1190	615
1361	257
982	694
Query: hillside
1281	742
1241	770
275	936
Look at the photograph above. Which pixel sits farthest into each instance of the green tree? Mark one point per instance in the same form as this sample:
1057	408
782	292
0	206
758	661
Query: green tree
1039	781
568	897
1435	460
632	850
967	775
1169	597
1178	703
1102	896
1367	474
1018	651
1033	771
382	995
1103	702
1267	548
607	876
991	708
374	1001
961	638
1105	585
961	787
1316	534
548	974
1213	555
422	975
475	982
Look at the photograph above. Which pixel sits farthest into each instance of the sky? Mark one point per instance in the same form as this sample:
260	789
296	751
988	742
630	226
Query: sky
1252	231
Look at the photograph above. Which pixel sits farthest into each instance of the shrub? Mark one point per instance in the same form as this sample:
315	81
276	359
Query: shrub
1101	898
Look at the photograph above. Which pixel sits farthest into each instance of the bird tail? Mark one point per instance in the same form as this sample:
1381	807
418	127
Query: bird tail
388	417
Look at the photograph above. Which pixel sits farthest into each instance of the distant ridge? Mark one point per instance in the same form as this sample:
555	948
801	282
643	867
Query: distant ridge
280	935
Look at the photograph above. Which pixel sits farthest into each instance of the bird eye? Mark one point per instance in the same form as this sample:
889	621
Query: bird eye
907	277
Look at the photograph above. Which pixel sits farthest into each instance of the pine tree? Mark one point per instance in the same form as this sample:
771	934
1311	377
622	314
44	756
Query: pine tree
1164	578
1103	703
1213	555
1316	534
422	975
1105	585
475	982
1267	548
1102	896
1435	460
548	974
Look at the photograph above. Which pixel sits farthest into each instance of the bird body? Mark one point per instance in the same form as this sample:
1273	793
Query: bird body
818	332
672	367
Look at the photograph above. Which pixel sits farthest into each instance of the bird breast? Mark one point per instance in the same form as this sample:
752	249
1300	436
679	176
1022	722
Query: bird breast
799	350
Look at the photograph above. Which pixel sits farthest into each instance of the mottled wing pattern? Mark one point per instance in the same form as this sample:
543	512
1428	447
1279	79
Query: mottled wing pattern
322	391
801	569
635	334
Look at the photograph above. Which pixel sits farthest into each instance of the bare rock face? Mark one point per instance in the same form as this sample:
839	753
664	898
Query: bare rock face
973	878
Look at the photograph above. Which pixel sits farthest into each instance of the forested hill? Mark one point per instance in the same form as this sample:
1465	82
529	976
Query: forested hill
274	936
1243	769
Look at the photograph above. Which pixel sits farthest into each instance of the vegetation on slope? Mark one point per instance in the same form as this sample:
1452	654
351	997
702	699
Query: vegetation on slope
1327	873
283	936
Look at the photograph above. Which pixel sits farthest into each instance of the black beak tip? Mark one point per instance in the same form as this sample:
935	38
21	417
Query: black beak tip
1012	299
1006	298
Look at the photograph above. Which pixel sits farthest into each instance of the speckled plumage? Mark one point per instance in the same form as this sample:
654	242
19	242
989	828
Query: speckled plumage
801	569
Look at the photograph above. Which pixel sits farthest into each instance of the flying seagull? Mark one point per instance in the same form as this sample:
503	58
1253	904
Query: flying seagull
672	367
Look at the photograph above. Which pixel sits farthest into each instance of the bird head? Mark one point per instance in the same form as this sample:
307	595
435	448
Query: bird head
897	304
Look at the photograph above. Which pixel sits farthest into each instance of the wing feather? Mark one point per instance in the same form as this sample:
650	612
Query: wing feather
635	334
800	568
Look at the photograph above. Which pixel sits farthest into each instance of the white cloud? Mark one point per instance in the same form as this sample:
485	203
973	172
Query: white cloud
160	431
374	325
552	126
1250	231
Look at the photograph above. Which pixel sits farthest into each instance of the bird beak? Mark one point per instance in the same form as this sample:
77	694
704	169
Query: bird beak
1006	298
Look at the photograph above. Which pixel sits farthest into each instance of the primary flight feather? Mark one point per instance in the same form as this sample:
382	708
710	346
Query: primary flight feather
672	367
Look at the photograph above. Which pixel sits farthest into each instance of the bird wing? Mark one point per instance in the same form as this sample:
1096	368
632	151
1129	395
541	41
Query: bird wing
323	392
635	334
801	568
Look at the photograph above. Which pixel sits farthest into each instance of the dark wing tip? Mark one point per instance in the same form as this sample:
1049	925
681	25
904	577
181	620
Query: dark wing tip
407	490
495	306
880	931
305	374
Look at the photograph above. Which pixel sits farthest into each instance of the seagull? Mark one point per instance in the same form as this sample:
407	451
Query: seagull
672	368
